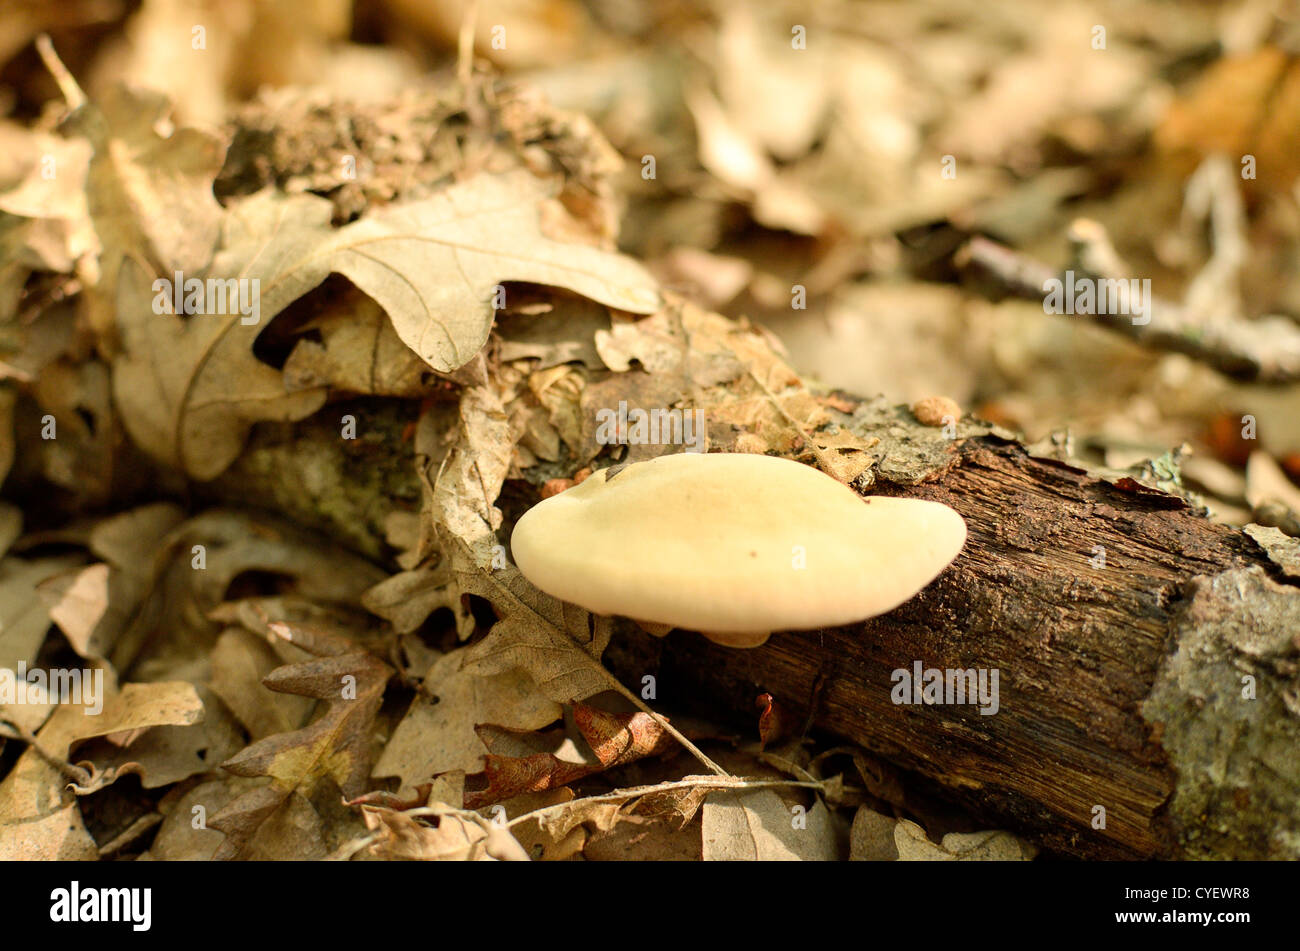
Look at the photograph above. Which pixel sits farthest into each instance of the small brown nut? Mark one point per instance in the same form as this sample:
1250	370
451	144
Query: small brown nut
555	486
932	410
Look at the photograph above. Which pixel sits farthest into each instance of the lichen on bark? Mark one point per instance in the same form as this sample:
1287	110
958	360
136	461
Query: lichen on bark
1226	705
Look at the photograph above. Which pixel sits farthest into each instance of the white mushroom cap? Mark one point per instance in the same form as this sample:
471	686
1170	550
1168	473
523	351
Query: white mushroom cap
714	542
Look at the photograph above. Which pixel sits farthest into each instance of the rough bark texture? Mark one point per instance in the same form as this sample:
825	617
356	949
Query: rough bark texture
1119	686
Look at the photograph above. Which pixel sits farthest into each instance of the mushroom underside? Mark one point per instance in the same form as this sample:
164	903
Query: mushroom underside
725	638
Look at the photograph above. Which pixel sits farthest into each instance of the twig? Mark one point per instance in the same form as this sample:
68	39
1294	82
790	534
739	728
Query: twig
72	93
74	774
690	782
667	727
1266	350
465	45
130	834
622	795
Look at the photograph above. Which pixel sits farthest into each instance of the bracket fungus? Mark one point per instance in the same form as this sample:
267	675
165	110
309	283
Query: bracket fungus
732	545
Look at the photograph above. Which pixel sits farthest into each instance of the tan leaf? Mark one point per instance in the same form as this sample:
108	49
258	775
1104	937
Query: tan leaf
56	836
34	788
872	837
557	643
359	351
240	662
336	745
78	603
191	388
1267	483
27	190
433	265
439	737
408	598
614	738
236	542
24	616
94	605
469	478
915	846
182	837
454	838
758	824
163	755
137	707
149	193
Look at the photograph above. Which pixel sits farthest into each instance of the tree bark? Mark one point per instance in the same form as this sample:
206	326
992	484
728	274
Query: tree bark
1120	687
1120	684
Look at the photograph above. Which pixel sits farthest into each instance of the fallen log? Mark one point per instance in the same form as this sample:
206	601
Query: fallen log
1148	690
1121	727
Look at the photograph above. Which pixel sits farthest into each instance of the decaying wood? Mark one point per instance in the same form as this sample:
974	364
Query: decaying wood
1085	709
1120	686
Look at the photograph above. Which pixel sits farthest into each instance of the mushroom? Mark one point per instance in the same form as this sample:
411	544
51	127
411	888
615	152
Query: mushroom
732	545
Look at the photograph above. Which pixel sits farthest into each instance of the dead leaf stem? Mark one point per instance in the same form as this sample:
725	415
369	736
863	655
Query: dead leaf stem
67	84
74	774
636	792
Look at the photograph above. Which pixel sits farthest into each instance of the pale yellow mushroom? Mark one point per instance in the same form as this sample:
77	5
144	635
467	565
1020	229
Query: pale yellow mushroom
732	545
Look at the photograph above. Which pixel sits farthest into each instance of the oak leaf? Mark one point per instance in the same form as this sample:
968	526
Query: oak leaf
437	734
759	824
614	738
559	644
337	744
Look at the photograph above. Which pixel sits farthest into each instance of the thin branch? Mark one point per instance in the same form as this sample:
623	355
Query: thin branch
72	93
690	782
74	774
666	726
622	795
1266	350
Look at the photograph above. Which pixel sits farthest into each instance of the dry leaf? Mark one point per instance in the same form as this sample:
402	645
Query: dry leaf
407	598
163	755
240	663
24	615
34	789
149	193
914	846
453	838
337	744
557	643
872	837
614	738
184	834
191	388
758	824
437	734
434	265
469	477
56	836
359	351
